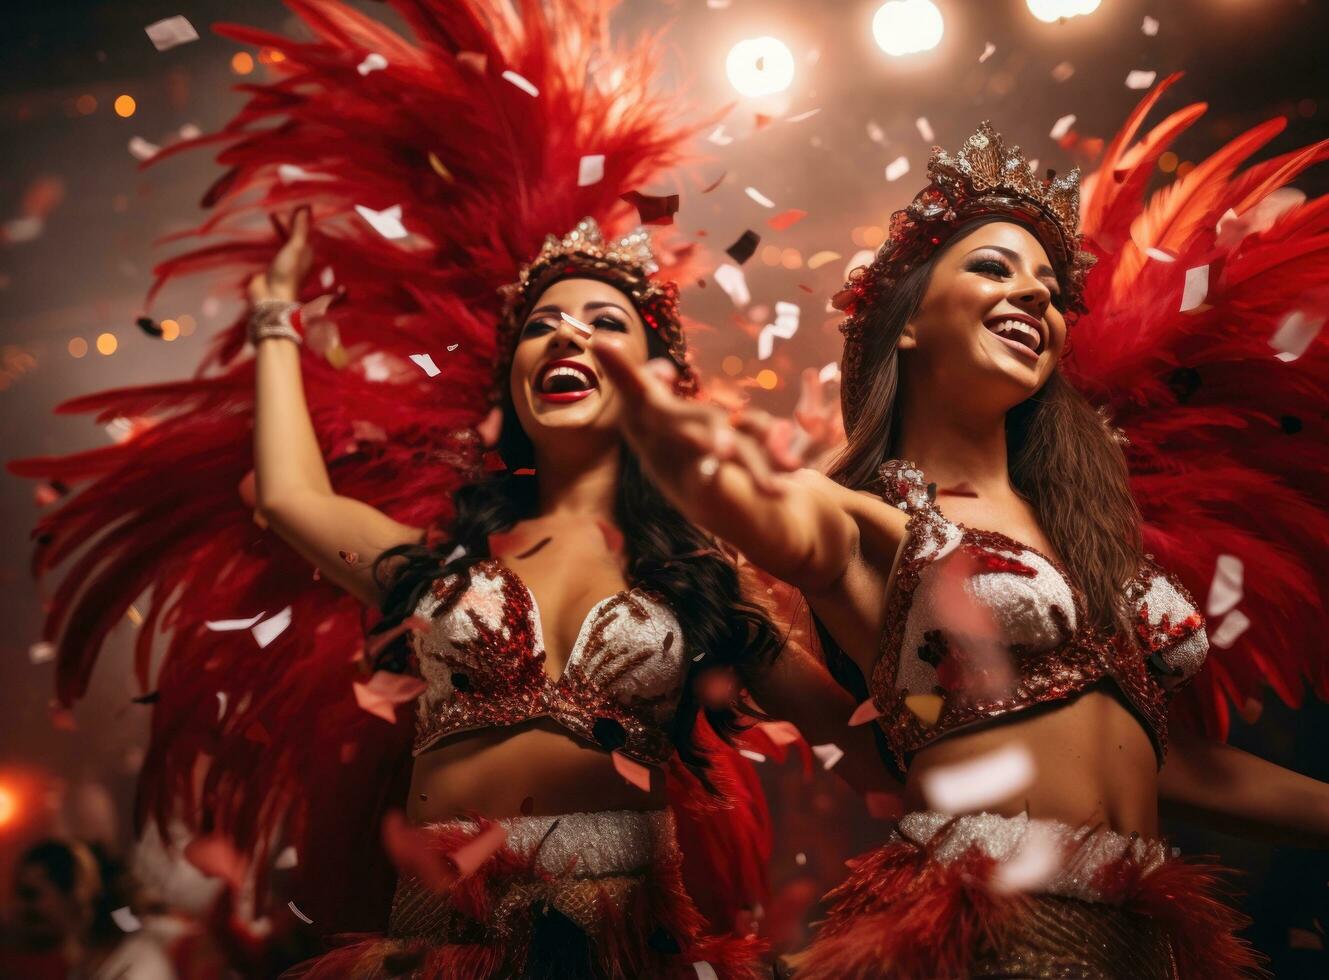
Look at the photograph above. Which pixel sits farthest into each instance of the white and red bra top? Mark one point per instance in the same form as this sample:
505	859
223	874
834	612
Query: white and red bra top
483	662
981	626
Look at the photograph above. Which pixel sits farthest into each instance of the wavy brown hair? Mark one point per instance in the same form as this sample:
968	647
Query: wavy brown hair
1062	455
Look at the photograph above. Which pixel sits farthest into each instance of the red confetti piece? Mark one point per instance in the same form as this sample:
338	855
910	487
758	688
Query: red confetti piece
475	852
473	60
780	732
787	219
653	209
384	691
761	120
864	713
806	288
490	428
45	494
217	857
715	183
634	772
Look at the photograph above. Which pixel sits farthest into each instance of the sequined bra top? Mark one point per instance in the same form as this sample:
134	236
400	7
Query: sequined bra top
981	626
483	663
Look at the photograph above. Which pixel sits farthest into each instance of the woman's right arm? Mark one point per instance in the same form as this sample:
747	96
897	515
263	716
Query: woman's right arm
794	525
340	536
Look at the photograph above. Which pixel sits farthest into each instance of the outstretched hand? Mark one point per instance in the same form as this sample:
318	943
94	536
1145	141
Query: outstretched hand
289	266
674	436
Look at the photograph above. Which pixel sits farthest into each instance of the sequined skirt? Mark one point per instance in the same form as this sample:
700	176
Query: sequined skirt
596	895
990	896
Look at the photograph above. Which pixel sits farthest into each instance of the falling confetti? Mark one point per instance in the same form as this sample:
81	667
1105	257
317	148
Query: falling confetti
784	327
222	699
634	772
40	653
1295	334
386	222
744	247
787	219
831	372
988	50
1035	860
437	166
268	630
731	279
168	33
1062	126
828	754
290	173
384	691
124	917
705	971
373	62
752	756
804	115
1140	79
1063	71
1158	255
897	168
521	83
141	149
876	133
867	711
426	364
719	137
985	781
759	197
287	859
226	625
924	128
298	914
1149	26
590	169
1225	590
653	209
1196	288
821	258
582	328
1233	625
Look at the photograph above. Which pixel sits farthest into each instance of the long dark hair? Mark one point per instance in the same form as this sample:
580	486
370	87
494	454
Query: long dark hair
666	554
1062	456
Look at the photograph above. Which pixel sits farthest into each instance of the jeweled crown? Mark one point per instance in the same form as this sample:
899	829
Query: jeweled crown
985	177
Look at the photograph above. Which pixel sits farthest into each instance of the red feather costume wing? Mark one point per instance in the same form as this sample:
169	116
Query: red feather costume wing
266	744
1223	402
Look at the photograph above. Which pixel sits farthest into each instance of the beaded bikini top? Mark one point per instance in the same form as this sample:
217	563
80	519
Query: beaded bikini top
483	661
982	626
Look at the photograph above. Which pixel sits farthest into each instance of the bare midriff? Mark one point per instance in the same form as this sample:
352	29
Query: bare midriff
1094	764
494	772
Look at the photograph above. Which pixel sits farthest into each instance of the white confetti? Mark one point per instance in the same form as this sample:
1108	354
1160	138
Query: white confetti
287	859
386	222
1062	126
119	428
299	915
189	131
828	755
1196	288
1063	71
522	83
141	149
759	197
1033	165
426	364
591	169
452	347
268	630
166	34
968	787
705	971
924	128
718	4
226	625
222	698
290	173
373	62
1225	590
800	859
784	327
1149	26
454	554
719	137
730	278
582	328
24	229
1295	334
40	653
754	756
1140	78
1233	625
988	50
1035	860
1158	255
804	115
327	277
125	918
897	168
830	372
876	133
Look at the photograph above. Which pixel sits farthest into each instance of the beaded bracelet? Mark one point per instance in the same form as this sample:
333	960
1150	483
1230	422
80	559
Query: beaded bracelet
275	318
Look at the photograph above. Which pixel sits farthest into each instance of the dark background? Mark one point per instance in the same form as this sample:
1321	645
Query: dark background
86	273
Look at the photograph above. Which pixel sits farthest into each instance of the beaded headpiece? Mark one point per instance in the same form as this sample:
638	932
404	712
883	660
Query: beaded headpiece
984	177
625	263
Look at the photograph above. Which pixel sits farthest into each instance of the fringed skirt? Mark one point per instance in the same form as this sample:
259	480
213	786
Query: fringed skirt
991	896
595	895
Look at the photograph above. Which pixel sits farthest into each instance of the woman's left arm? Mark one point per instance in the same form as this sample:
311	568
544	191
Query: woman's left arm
1236	792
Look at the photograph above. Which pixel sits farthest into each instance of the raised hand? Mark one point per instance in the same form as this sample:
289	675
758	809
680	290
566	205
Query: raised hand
289	266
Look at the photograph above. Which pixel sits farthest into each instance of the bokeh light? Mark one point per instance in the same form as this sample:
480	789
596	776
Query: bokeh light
125	106
767	378
8	806
242	62
732	365
1050	11
170	329
1167	162
106	343
86	104
78	347
760	66
903	27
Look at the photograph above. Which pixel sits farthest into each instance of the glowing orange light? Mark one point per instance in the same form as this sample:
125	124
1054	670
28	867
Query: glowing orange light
125	106
106	343
767	378
8	806
271	56
86	104
78	347
242	62
170	329
770	254
732	365
1184	168
187	325
1167	162
791	258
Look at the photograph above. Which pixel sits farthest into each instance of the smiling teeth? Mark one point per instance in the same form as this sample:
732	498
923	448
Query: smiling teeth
546	382
1019	330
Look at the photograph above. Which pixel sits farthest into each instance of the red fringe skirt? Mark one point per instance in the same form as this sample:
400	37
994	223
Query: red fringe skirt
990	896
596	895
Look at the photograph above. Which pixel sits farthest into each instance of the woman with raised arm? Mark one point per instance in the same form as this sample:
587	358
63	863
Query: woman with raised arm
557	625
974	558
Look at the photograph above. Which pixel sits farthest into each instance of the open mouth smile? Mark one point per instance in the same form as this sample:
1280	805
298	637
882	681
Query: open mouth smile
564	381
1018	331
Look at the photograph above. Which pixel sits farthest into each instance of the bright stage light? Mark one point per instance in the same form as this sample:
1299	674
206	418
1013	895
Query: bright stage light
8	806
1049	11
760	66
907	26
